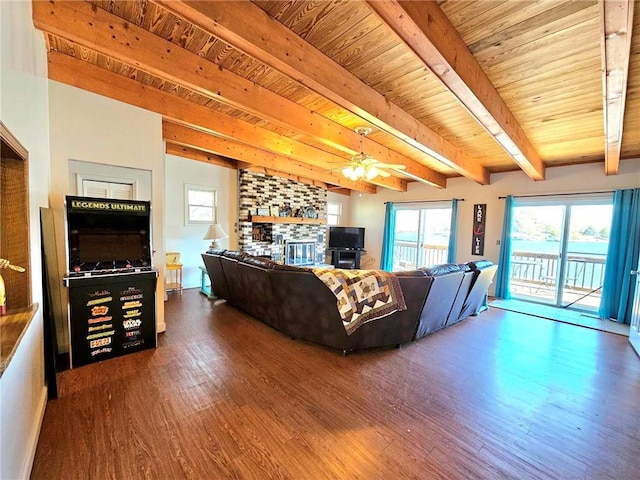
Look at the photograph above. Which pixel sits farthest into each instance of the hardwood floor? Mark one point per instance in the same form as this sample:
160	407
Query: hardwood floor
502	395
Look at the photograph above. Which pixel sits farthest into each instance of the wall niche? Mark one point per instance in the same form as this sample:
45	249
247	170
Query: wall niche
14	244
14	219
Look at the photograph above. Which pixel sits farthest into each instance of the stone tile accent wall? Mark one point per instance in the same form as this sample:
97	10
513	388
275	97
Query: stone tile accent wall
264	191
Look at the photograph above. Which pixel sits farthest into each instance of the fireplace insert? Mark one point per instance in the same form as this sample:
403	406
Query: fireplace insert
300	253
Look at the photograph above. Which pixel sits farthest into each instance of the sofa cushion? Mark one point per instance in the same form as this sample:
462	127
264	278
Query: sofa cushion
230	267
234	254
261	262
219	284
468	280
477	299
291	268
446	283
255	279
480	264
410	273
443	269
465	267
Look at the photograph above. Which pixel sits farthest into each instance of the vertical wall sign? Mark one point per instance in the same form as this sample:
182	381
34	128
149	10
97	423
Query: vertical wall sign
479	221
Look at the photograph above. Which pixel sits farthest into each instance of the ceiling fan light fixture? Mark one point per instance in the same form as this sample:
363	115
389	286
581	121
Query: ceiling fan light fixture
350	173
361	163
371	173
364	131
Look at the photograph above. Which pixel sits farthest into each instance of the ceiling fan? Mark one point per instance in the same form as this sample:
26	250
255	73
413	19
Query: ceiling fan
363	165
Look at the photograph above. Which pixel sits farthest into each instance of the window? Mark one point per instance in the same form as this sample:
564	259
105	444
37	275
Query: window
100	189
200	204
334	213
421	235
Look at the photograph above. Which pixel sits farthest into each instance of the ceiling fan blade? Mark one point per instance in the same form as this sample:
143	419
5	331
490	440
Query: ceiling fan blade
336	168
384	174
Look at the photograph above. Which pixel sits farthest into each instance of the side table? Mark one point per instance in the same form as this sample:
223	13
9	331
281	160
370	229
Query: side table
173	280
205	284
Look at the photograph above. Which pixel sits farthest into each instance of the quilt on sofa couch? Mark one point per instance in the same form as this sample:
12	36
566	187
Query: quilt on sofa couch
362	295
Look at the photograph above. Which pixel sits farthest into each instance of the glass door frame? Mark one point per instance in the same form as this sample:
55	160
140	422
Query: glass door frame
422	209
567	202
420	235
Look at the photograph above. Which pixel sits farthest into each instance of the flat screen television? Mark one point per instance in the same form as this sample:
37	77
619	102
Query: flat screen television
351	238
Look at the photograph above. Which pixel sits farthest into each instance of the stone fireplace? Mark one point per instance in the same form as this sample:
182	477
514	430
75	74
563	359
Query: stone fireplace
260	191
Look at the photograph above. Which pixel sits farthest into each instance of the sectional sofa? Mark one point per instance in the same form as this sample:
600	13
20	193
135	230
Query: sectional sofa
294	301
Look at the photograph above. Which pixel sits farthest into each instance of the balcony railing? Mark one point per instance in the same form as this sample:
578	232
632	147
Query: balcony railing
407	256
534	275
528	269
584	272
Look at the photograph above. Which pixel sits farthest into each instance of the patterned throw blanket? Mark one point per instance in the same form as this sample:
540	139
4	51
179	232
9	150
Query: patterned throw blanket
363	295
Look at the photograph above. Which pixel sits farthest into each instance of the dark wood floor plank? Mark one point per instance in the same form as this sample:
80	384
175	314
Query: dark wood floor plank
502	395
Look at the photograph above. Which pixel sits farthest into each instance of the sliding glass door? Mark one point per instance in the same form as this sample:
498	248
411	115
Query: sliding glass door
536	249
559	249
421	236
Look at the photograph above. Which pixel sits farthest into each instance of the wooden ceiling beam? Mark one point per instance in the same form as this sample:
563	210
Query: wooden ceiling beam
616	25
243	165
213	159
108	34
77	73
248	28
341	191
200	156
426	30
188	137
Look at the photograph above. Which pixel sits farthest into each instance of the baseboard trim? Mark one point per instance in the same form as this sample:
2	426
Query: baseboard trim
35	435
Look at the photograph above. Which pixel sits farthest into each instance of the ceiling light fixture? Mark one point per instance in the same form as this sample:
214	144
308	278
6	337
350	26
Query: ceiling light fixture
362	164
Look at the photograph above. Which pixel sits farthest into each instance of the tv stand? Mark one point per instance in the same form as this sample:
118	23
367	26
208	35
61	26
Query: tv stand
346	258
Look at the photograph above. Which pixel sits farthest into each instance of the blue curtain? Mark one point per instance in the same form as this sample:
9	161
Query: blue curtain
388	238
622	256
453	235
504	261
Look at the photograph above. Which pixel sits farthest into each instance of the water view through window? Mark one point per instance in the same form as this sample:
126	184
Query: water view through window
559	253
421	237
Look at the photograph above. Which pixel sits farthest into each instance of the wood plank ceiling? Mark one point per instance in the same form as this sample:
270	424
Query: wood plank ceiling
457	87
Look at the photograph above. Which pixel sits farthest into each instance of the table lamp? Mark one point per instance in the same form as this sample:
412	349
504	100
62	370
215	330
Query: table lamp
214	233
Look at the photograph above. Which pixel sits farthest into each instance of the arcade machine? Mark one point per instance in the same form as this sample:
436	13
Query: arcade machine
110	277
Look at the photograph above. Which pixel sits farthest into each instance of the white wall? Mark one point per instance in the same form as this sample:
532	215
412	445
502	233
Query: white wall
24	110
95	129
188	239
368	210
